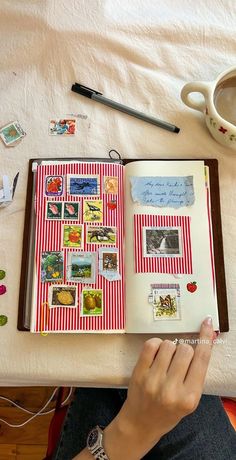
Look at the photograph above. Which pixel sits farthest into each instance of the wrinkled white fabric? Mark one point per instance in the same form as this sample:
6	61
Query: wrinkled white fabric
140	53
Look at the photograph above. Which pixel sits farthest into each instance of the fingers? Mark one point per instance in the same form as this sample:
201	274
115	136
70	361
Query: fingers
147	354
198	367
180	363
163	358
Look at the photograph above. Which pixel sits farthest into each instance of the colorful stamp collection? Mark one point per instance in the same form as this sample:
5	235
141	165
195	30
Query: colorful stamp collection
81	218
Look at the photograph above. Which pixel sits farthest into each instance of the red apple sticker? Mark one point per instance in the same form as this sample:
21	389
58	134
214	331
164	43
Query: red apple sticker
112	205
192	287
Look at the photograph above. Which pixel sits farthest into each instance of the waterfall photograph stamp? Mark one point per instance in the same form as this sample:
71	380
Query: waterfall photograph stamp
162	242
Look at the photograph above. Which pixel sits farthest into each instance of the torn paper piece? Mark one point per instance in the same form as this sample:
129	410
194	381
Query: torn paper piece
172	192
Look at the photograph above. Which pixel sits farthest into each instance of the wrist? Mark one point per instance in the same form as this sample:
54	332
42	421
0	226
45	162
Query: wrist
123	438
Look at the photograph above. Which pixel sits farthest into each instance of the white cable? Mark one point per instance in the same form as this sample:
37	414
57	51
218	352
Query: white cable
4	398
35	414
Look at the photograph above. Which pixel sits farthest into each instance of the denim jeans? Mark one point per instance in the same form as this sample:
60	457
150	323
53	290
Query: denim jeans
206	434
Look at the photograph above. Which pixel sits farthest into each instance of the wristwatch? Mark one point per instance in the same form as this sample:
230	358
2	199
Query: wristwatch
94	444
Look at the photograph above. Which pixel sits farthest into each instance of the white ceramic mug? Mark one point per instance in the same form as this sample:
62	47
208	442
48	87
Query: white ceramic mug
218	106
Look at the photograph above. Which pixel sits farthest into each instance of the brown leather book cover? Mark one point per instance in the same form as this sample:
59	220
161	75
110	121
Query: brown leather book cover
217	240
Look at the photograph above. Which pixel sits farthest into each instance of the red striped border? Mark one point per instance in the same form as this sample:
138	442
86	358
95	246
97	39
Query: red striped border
48	238
173	265
211	239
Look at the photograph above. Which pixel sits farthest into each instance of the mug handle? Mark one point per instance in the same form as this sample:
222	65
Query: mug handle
195	87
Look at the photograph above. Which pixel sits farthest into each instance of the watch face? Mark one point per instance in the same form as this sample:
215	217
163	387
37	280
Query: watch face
92	437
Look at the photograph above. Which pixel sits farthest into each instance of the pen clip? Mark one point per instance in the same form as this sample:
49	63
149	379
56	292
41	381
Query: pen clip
84	90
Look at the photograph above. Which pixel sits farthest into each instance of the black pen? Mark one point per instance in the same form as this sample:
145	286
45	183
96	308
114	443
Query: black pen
96	96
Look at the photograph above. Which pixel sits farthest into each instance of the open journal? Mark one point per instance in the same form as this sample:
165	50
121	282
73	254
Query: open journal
113	247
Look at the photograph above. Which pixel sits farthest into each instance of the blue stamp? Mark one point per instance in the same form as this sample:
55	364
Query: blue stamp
83	185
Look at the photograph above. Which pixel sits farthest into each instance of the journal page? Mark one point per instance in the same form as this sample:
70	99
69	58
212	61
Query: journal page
79	269
170	284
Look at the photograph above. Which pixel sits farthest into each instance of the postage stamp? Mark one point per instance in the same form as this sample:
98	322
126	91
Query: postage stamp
72	236
63	127
165	299
101	235
11	133
83	185
63	296
81	267
93	211
71	210
111	185
162	242
109	263
53	210
52	264
92	302
54	186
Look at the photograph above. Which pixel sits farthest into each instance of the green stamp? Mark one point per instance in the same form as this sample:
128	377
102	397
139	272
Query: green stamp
71	210
54	210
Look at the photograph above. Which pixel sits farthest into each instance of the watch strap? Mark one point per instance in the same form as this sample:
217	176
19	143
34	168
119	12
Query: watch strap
99	454
97	450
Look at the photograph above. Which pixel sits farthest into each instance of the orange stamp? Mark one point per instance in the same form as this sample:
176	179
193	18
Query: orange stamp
111	185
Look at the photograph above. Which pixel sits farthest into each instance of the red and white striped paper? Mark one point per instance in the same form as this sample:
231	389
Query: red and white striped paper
174	265
49	238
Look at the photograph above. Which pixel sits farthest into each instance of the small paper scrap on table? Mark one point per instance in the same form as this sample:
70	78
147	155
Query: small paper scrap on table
172	191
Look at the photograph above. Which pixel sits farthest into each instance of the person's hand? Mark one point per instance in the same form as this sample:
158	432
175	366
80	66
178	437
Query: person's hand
165	386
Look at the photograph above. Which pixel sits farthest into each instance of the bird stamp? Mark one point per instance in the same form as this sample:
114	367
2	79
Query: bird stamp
93	211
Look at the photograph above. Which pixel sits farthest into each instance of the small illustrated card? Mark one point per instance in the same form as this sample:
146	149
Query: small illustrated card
81	267
162	244
72	236
165	300
52	265
172	192
63	127
12	133
93	211
92	302
108	265
101	235
86	185
63	296
54	186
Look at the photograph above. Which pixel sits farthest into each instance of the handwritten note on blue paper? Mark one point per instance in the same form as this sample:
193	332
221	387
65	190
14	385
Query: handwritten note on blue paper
172	192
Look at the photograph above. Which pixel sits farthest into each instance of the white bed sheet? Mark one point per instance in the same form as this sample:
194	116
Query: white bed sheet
140	53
